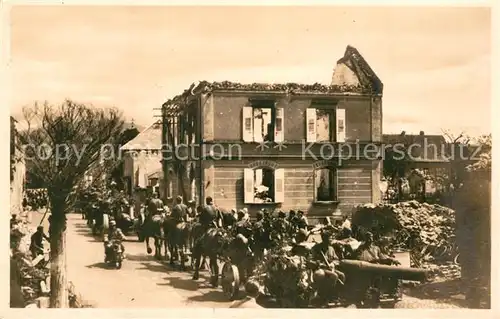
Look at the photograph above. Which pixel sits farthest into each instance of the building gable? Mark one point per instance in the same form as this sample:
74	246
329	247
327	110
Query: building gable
148	139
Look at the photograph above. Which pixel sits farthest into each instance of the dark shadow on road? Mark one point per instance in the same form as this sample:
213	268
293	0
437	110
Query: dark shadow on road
101	265
84	232
181	283
154	267
211	296
141	257
82	226
445	291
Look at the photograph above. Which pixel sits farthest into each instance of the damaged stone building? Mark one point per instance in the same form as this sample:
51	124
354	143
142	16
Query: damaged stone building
277	145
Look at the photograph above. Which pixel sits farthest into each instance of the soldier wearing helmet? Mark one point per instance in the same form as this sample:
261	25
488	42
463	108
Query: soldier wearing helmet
114	234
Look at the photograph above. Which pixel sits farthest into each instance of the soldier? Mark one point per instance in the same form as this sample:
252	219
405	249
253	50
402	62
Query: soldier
325	276
114	234
36	245
179	211
302	221
210	216
260	237
243	226
155	206
370	252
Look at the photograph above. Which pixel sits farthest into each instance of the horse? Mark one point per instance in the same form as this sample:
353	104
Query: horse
154	226
211	245
177	240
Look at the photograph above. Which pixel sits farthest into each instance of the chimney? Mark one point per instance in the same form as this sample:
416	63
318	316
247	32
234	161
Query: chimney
403	133
422	133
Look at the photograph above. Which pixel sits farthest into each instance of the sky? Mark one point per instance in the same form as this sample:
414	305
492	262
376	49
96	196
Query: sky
434	62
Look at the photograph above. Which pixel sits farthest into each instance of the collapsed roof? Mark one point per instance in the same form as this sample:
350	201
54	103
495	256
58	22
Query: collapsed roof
367	83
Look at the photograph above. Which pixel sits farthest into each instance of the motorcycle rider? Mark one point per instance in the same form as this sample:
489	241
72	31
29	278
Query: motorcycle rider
114	234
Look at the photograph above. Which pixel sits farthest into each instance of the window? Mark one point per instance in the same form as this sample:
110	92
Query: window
322	127
325	184
264	185
258	124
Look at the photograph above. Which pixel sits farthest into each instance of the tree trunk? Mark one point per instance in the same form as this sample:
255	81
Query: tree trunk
58	279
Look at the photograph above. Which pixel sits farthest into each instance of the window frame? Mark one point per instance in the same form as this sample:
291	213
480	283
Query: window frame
276	189
332	108
333	171
275	110
331	125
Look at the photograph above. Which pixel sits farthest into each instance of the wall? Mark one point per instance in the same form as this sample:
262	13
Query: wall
147	162
223	117
354	186
17	188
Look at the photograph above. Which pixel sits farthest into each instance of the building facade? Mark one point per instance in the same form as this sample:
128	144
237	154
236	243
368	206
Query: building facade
142	163
280	146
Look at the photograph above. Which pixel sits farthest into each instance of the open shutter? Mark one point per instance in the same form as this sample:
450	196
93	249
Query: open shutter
279	122
247	124
279	185
311	124
248	185
341	125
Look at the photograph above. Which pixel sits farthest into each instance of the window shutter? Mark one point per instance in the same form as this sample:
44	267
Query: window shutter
248	185
279	122
341	123
279	185
247	124
311	125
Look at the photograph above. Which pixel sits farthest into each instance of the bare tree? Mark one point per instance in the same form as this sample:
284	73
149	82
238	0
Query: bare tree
63	142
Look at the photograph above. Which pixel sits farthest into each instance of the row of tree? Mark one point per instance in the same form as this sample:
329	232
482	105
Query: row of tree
65	141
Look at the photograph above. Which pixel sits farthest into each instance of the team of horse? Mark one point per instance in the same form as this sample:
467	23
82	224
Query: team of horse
179	240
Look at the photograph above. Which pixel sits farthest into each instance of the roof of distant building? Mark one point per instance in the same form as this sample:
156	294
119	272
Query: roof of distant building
436	146
148	139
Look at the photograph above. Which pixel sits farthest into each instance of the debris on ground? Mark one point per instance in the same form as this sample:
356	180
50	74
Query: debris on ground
428	231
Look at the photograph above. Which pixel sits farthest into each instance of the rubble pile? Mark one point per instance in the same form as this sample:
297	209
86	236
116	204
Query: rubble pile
419	227
442	272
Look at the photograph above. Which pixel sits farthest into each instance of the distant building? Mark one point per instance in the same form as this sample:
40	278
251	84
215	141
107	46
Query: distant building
142	159
426	162
224	126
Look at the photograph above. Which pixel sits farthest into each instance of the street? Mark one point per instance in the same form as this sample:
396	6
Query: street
142	282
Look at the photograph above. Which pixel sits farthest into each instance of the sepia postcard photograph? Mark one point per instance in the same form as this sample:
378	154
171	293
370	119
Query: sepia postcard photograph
304	156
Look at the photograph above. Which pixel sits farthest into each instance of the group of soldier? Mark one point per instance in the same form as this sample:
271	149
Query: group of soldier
337	241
